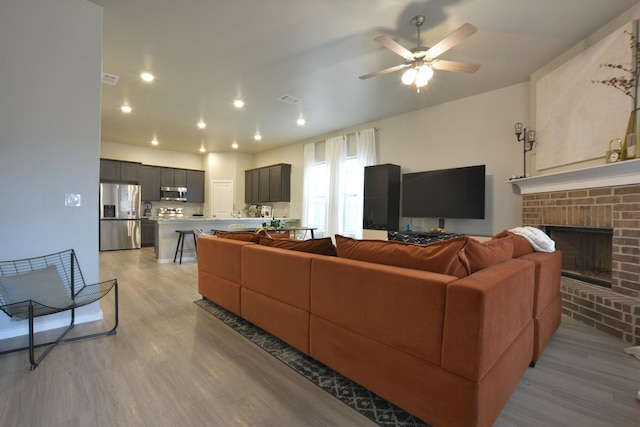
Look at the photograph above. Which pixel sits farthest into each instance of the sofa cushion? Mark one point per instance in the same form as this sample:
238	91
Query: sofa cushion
483	255
322	246
521	246
239	235
445	257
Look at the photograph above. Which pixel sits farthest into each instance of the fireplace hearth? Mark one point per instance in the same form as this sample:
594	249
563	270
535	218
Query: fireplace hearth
590	210
586	252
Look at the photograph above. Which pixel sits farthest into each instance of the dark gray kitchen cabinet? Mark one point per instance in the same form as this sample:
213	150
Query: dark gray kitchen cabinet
268	184
195	186
150	183
119	171
148	233
251	184
170	177
280	183
263	185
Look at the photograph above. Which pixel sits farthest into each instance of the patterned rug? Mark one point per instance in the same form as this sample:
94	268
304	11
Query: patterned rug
357	397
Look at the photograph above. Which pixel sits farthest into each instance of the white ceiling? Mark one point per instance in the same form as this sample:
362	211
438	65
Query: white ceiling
205	53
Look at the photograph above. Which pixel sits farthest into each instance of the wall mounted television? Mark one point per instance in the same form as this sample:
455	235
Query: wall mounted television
445	193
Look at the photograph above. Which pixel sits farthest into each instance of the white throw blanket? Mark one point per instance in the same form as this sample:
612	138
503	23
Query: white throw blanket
538	238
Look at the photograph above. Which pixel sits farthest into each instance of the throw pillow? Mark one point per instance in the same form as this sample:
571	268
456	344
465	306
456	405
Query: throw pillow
521	246
43	286
322	246
483	255
239	235
445	257
278	234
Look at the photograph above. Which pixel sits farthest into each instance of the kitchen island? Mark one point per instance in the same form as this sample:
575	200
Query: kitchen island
167	238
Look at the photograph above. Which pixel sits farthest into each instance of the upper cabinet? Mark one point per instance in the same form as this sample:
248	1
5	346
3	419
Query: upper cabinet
268	184
154	177
195	186
150	183
170	177
119	171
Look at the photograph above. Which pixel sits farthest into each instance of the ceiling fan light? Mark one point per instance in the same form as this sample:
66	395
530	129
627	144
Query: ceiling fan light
409	76
424	75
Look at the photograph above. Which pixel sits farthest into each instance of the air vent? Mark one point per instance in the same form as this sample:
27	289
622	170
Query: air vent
289	99
109	79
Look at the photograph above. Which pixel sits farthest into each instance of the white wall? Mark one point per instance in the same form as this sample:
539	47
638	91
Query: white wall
471	131
51	55
150	156
601	33
227	166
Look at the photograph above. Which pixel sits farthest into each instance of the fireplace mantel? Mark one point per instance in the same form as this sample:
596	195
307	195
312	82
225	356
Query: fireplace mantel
609	175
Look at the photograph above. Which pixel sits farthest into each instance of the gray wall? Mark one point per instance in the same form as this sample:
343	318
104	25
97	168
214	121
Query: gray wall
51	54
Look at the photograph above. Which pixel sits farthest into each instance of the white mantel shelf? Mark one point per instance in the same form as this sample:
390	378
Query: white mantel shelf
608	175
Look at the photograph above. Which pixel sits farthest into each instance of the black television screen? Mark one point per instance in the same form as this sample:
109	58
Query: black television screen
446	193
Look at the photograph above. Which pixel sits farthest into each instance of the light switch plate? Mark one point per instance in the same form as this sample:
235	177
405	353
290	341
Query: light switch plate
72	200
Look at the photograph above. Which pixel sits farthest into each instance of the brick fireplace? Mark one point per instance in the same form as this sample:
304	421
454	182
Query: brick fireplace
602	199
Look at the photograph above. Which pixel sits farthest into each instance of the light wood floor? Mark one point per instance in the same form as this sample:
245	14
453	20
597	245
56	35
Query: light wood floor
173	364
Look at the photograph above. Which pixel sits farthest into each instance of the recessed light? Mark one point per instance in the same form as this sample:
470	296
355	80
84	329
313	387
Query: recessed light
301	121
126	109
202	149
257	136
147	77
154	142
234	145
202	124
238	103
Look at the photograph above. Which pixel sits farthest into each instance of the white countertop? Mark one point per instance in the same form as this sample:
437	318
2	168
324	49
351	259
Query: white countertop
204	218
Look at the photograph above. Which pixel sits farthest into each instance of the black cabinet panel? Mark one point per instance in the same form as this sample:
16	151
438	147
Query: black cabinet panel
381	197
119	171
150	183
195	186
179	178
263	185
255	178
109	170
268	184
130	172
148	233
166	177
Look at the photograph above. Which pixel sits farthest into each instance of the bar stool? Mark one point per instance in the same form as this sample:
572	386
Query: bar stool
180	245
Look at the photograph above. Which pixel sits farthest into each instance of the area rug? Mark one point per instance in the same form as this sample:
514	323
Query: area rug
352	394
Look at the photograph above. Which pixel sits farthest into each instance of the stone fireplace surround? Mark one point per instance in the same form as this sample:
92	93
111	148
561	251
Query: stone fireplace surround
606	196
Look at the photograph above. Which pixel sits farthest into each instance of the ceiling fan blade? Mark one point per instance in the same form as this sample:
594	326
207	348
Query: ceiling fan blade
385	71
394	47
451	40
462	67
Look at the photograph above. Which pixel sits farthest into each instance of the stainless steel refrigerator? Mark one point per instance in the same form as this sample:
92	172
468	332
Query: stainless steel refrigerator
120	222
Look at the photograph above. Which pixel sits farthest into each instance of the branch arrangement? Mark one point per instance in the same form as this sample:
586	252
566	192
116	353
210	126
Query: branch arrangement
626	84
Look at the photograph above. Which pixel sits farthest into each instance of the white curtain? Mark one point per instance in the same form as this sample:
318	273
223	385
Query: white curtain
328	200
335	156
366	153
309	160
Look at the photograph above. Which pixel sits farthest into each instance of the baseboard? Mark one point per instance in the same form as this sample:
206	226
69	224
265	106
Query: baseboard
45	323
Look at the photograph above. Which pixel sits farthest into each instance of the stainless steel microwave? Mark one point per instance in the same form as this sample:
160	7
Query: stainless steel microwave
175	194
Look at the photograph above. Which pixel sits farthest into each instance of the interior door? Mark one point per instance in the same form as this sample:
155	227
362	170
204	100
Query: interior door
222	199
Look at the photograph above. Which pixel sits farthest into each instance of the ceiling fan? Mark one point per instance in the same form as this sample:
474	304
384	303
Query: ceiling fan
422	60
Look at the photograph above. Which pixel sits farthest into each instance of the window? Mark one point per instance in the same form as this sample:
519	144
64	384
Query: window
333	187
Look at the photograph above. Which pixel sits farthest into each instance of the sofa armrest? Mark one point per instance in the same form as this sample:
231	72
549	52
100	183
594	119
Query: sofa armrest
484	314
548	275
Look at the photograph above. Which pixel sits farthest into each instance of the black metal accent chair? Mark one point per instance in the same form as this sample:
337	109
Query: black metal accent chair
49	284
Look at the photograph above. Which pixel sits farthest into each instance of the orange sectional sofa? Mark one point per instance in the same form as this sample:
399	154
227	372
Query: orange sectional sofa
447	349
